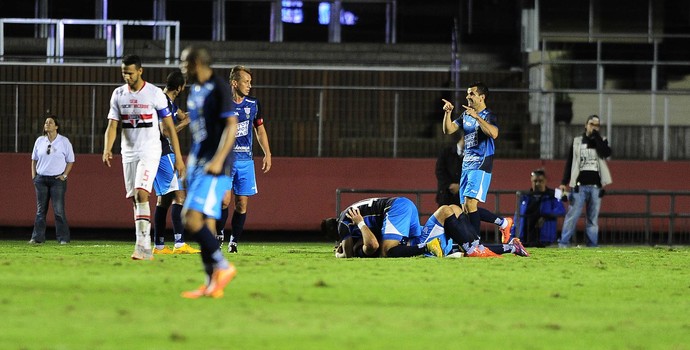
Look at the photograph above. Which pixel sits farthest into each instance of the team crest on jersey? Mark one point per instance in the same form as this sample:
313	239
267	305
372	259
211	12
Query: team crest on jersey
247	110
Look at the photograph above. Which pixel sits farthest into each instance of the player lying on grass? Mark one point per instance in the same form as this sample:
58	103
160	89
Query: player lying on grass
443	226
383	226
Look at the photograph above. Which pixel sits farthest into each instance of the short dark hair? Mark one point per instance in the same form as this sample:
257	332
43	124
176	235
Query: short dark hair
539	172
592	117
55	120
482	89
174	80
132	60
329	228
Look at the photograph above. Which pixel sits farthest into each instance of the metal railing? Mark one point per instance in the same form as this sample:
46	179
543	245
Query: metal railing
114	35
626	217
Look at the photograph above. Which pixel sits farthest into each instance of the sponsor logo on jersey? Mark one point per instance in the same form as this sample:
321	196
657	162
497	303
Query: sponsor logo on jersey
242	129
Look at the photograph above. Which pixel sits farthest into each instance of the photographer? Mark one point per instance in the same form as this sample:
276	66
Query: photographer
586	173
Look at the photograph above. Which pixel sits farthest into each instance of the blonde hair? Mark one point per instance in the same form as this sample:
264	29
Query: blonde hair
235	72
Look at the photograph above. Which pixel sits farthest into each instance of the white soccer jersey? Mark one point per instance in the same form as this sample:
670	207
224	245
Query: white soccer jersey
139	113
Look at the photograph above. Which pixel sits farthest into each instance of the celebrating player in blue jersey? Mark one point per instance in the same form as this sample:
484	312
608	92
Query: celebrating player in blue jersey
213	123
380	227
243	176
479	126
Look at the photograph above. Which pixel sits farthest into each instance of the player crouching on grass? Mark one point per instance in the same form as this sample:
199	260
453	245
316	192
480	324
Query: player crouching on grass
386	227
443	228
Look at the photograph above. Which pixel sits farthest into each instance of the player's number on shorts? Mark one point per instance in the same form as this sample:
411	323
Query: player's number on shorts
146	175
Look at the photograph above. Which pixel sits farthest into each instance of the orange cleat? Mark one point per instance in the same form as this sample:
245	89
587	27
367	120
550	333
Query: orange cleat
505	232
219	279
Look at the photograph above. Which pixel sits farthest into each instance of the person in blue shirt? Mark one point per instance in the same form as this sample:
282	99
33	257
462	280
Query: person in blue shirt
168	185
536	217
380	227
250	121
478	124
213	123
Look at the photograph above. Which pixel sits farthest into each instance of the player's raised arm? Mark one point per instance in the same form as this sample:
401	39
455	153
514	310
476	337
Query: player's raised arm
448	126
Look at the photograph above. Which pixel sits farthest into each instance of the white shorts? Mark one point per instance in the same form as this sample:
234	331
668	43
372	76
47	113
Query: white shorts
139	175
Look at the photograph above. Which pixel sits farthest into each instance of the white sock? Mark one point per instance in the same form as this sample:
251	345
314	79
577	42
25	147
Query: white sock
504	224
142	219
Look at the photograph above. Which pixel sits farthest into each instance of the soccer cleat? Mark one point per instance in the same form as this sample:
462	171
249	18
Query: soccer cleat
434	247
505	232
219	279
220	238
196	293
232	247
518	248
185	249
164	251
141	253
481	251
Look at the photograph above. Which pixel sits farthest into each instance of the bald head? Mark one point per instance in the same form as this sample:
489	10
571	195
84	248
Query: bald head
195	63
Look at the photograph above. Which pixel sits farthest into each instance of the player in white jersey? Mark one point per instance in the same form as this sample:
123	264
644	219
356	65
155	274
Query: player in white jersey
139	106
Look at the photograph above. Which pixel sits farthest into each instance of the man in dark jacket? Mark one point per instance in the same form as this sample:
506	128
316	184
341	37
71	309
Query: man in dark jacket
539	209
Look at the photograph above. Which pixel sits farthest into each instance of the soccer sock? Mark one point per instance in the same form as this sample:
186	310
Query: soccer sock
178	227
475	221
159	216
210	249
404	251
220	224
487	216
142	219
237	225
460	232
499	248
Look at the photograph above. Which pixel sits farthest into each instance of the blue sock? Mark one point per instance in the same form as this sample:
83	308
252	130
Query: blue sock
178	227
159	216
237	225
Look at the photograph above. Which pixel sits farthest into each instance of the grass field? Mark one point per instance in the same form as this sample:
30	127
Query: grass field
90	295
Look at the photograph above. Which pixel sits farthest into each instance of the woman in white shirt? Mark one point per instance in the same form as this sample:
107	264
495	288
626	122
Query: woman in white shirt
51	162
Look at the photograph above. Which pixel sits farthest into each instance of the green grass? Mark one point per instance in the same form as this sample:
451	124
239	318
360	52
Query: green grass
90	295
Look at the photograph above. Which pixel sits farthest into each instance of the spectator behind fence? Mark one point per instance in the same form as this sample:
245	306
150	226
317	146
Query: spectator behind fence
51	161
587	173
536	217
448	170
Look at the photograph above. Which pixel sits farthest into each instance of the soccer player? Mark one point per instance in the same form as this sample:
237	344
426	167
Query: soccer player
479	126
213	122
139	107
384	226
451	225
168	185
441	231
243	175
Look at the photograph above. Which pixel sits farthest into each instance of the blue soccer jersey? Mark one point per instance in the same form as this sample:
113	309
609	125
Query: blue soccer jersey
209	105
373	210
479	147
165	142
248	117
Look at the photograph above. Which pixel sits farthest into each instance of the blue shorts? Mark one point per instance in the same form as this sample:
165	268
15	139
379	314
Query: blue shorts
431	230
474	183
166	180
205	192
244	178
401	221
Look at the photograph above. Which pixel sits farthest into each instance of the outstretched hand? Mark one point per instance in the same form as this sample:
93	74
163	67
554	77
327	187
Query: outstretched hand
447	106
